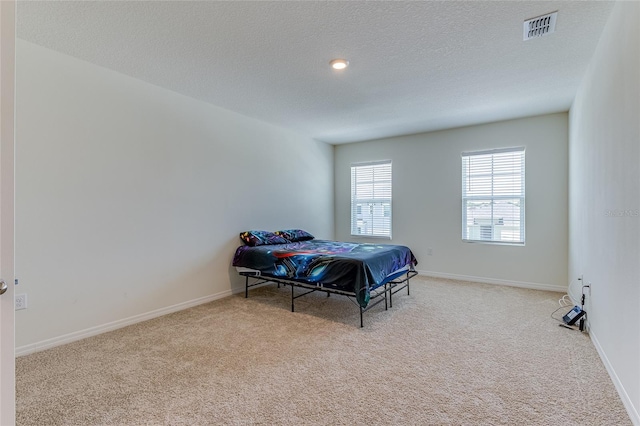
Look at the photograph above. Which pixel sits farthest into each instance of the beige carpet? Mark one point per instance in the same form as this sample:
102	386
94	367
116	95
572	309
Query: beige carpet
451	353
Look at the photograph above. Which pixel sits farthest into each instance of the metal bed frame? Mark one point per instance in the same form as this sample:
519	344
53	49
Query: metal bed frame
383	293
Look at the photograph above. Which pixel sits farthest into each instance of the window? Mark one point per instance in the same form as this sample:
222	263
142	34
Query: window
493	196
371	199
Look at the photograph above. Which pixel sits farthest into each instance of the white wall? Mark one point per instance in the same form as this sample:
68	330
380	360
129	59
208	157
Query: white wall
427	200
130	198
604	182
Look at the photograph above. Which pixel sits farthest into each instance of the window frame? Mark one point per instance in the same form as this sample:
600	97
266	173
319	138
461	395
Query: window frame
521	197
361	203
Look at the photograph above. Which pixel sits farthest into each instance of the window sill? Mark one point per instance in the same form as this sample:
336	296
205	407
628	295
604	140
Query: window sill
375	237
497	243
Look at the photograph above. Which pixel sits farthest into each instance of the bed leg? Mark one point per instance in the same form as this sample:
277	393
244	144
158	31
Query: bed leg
391	295
408	291
361	323
292	298
385	296
246	286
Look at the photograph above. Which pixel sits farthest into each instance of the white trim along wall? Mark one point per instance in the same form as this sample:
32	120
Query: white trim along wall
427	200
130	197
604	192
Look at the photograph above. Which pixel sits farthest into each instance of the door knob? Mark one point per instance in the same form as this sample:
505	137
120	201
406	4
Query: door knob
3	287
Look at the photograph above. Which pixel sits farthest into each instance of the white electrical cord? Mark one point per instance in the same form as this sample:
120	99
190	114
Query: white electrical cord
565	301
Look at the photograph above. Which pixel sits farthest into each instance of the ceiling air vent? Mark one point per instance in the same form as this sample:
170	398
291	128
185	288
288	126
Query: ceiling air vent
540	26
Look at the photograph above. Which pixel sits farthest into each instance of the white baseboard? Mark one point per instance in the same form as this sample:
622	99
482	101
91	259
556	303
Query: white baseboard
522	284
93	331
628	404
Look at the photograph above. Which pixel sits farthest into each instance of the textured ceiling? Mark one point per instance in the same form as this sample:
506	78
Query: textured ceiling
414	66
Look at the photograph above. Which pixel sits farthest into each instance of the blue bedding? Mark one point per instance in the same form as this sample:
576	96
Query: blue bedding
355	268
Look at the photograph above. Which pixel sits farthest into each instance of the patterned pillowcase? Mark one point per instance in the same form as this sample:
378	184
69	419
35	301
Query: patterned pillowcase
260	238
294	235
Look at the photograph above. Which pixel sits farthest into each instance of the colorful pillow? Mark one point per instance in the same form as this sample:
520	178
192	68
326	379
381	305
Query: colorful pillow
260	238
294	235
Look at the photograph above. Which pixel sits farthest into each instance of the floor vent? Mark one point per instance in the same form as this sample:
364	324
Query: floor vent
540	26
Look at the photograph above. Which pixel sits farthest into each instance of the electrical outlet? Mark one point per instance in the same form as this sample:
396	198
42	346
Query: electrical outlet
21	301
429	251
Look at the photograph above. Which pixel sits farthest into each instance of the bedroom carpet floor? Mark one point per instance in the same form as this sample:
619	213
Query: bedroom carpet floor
451	353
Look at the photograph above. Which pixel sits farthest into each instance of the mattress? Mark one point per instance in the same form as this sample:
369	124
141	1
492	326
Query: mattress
349	267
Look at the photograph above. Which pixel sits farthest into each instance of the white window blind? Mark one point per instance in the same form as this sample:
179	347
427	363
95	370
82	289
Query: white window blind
493	196
371	199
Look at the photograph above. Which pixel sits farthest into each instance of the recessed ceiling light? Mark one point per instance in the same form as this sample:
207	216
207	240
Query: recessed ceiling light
339	64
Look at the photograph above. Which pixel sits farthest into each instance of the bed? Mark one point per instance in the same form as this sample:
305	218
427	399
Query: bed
366	273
